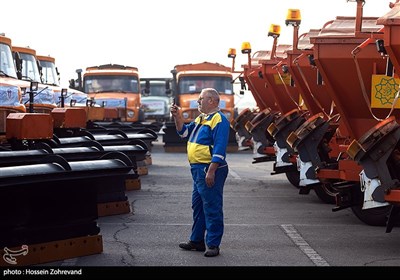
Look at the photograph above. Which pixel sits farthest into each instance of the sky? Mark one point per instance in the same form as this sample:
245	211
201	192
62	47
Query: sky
156	35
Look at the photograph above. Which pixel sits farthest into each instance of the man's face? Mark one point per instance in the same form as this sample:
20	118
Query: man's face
204	103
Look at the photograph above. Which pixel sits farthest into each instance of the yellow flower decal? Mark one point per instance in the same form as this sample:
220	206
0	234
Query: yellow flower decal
386	90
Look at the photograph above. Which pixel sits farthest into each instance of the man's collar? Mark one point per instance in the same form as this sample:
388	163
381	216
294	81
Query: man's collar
205	116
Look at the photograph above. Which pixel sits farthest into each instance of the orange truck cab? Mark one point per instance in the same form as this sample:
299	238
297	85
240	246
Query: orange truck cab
116	87
189	79
187	82
27	67
51	77
10	88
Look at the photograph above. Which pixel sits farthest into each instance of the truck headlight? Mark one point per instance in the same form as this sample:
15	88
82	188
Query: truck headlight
131	113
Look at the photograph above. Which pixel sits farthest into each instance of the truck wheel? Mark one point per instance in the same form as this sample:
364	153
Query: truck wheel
294	178
373	216
325	193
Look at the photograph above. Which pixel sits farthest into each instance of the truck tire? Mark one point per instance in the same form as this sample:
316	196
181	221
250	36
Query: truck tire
373	216
294	178
325	193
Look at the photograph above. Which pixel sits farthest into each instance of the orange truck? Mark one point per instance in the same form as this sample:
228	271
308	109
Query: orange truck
187	82
189	79
28	70
51	77
115	87
10	86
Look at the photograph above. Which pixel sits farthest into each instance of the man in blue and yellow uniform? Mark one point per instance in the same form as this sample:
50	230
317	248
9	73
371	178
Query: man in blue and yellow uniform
206	149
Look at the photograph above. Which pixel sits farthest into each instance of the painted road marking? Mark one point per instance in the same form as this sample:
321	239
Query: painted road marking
292	233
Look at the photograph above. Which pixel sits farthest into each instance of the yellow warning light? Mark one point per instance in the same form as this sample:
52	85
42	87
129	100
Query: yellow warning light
246	47
274	30
232	53
293	17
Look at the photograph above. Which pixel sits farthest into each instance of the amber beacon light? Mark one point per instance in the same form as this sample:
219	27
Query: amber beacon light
232	53
293	17
246	47
274	30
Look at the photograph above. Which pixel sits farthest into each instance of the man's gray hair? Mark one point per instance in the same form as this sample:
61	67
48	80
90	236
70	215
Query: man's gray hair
211	92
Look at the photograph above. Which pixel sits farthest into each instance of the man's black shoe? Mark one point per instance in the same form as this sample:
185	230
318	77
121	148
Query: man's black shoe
212	252
193	246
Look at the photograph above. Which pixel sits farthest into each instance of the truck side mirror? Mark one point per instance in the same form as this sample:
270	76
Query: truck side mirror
168	90
18	64
242	83
146	90
72	83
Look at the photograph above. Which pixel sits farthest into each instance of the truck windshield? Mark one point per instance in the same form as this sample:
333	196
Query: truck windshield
6	61
194	84
49	73
126	84
156	88
30	70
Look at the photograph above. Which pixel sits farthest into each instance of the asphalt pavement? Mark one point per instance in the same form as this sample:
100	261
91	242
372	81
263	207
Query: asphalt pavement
268	224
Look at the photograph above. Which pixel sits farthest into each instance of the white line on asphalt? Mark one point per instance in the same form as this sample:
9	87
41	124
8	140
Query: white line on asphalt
234	174
292	233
